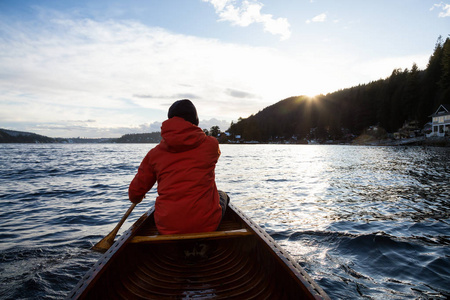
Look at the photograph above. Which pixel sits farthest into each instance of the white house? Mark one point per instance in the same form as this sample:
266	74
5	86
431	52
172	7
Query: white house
441	121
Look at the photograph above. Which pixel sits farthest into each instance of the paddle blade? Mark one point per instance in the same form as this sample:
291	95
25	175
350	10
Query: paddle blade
104	244
108	240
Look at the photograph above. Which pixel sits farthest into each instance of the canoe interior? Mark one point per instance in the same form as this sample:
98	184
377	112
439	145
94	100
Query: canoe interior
237	267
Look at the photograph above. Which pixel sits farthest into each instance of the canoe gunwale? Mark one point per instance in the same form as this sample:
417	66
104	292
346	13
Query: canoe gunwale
282	255
99	267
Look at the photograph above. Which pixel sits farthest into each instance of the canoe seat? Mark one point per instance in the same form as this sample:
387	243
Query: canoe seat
190	236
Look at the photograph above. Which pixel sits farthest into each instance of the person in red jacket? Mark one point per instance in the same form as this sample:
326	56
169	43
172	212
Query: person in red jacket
183	165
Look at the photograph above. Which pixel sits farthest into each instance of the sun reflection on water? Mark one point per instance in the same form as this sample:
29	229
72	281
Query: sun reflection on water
286	194
316	199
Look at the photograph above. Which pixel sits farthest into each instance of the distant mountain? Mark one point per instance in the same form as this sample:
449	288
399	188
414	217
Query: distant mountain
153	137
11	136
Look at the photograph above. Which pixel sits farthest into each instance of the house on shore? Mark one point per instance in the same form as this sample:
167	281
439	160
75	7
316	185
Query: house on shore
441	121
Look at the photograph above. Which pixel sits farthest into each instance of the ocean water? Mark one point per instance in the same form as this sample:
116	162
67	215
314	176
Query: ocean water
364	222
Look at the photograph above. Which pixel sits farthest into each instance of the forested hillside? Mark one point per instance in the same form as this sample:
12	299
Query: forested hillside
407	95
154	137
11	136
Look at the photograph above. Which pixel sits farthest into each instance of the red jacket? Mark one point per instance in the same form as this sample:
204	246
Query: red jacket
183	165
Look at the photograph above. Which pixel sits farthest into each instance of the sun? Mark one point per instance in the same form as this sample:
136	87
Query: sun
311	97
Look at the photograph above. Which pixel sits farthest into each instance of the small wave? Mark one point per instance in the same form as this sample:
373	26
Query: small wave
277	180
74	218
49	272
373	261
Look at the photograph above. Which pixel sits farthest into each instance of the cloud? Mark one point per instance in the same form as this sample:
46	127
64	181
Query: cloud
240	94
147	127
145	96
207	124
445	7
319	18
156	126
125	73
249	12
67	128
172	97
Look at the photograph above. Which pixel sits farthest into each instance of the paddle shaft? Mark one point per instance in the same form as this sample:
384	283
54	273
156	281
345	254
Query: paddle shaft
125	216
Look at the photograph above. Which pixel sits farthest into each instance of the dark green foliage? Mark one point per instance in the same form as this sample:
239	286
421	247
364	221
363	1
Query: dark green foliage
10	136
214	131
405	96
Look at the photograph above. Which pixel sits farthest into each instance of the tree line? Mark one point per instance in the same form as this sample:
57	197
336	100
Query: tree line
11	136
405	96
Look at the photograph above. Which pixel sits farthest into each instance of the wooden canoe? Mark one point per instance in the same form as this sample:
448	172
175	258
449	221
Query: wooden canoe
238	261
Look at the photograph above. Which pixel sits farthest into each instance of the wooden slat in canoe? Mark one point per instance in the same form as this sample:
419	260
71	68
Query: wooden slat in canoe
190	236
238	261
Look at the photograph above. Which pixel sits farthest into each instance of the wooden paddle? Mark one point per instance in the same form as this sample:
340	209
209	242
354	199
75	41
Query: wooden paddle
108	240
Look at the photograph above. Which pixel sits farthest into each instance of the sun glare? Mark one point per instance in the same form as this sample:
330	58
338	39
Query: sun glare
311	97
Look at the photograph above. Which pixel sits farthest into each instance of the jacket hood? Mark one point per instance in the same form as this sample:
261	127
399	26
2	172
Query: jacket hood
179	135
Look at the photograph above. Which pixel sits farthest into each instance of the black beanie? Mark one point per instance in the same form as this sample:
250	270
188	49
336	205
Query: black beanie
184	109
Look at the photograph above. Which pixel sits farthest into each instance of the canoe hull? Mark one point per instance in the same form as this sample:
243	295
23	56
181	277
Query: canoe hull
241	266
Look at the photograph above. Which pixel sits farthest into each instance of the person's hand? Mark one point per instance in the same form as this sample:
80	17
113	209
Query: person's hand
137	200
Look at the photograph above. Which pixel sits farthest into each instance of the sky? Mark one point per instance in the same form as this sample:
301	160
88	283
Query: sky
80	68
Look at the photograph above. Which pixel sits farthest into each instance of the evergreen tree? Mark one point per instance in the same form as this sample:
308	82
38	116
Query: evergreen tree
214	131
444	82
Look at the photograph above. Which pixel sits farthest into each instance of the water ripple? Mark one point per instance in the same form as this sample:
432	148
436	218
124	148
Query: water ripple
365	222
